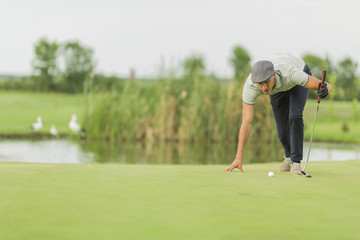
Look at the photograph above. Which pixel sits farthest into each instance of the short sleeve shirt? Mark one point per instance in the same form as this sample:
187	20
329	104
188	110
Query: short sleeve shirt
289	73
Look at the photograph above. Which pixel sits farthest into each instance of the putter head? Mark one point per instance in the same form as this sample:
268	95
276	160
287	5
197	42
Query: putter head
306	174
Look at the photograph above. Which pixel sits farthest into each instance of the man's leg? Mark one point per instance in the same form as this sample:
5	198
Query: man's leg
298	97
280	106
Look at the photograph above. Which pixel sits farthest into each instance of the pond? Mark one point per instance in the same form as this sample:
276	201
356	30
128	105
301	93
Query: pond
75	152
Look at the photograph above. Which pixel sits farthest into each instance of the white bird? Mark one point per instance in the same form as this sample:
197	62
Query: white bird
73	125
54	131
37	125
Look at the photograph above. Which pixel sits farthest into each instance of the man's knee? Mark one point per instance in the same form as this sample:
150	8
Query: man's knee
284	139
296	118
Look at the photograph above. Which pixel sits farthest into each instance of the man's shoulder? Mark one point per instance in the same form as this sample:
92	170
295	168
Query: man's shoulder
249	84
250	91
287	61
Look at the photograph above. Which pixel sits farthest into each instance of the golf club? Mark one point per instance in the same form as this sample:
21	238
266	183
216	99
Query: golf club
312	133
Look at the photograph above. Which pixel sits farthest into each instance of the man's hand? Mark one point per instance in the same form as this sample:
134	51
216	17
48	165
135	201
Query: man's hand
237	163
323	90
314	84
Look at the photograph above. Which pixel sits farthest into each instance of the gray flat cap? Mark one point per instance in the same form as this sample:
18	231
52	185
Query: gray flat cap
262	71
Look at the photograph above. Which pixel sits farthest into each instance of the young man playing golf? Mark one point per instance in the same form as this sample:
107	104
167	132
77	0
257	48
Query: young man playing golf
287	80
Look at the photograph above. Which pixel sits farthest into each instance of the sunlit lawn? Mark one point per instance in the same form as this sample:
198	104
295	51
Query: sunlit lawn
20	110
336	121
52	201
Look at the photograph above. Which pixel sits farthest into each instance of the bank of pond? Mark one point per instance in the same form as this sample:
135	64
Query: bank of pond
75	151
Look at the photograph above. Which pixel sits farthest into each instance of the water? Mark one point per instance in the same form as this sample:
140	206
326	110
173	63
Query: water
332	152
53	151
74	152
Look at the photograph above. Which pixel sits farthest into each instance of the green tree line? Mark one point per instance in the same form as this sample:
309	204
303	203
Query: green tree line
67	66
61	67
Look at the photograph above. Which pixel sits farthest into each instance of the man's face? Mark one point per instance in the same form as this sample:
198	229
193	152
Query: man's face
268	85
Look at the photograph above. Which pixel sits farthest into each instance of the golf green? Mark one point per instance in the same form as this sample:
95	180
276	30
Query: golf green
60	201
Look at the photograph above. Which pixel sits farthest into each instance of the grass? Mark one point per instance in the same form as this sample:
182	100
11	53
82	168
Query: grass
54	201
22	109
332	132
330	122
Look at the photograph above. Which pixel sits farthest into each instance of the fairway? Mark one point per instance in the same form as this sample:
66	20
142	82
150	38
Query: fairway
61	201
22	109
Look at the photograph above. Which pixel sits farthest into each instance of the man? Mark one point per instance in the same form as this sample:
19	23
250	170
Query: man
287	80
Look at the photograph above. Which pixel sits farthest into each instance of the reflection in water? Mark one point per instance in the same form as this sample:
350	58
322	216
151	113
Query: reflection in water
68	151
50	151
161	153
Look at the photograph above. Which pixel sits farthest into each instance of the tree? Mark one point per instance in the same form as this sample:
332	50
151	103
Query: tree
193	79
194	69
194	65
241	63
346	78
78	65
44	64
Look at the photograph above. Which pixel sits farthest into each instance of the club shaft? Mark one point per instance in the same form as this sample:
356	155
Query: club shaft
311	137
317	110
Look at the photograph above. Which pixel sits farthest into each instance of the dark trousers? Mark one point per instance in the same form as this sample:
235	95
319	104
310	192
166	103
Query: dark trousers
288	110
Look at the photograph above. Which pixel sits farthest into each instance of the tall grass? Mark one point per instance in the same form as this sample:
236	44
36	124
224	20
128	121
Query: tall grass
195	109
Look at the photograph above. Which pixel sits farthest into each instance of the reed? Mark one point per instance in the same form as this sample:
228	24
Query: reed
196	109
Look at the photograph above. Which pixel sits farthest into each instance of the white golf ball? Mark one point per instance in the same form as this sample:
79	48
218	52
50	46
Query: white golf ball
270	174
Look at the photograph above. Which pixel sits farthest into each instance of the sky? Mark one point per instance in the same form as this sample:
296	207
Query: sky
151	35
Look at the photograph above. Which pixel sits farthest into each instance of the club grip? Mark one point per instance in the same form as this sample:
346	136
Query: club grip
322	82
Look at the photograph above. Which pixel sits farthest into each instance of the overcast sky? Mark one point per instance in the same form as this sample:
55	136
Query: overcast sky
147	34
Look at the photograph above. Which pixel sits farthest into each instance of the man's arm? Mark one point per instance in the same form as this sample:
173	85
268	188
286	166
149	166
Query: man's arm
245	129
313	84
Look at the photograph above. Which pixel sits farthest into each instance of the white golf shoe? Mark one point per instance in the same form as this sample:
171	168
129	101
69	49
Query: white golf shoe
295	168
285	166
